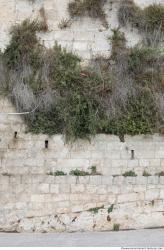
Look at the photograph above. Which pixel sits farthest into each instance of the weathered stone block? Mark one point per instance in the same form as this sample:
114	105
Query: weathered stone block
107	180
152	194
54	188
153	180
95	180
77	188
64	188
123	198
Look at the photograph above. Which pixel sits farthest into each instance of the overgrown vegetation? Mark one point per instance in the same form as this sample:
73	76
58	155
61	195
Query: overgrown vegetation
122	94
91	8
149	21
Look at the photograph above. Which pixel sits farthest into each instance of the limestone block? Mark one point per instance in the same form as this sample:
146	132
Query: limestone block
64	188
130	180
102	189
71	179
95	180
97	155
139	188
63	210
113	154
109	170
119	163
37	198
80	154
114	189
43	188
152	194
144	163
91	189
107	180
83	179
162	163
162	194
133	163
141	180
154	162
56	197
60	179
77	188
118	180
112	199
161	180
72	163
127	197
4	180
77	209
153	180
54	188
88	206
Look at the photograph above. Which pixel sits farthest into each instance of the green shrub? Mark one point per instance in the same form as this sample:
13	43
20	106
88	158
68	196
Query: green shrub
129	173
23	45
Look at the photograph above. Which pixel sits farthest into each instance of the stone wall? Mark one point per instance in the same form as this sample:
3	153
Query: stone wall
40	203
33	200
86	36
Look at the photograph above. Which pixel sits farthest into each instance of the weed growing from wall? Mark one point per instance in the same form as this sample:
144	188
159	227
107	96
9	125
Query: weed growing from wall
91	8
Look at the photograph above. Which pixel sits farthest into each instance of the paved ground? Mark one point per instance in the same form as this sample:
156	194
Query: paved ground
139	238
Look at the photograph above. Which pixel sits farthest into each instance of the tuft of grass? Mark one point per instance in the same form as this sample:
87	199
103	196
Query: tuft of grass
129	173
78	172
57	173
64	23
116	227
146	174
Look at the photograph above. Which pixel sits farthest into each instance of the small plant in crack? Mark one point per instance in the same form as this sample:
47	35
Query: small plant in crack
110	209
116	227
95	210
